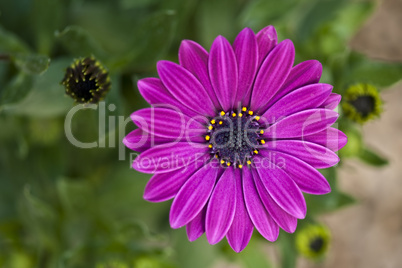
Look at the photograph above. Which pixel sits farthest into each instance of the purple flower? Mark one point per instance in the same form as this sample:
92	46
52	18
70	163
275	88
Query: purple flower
235	136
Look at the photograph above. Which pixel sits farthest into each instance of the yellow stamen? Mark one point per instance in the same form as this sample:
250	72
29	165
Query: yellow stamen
210	146
262	142
223	113
220	122
222	161
228	164
240	166
250	112
261	131
213	121
255	151
248	162
210	127
216	156
240	114
234	114
207	137
244	109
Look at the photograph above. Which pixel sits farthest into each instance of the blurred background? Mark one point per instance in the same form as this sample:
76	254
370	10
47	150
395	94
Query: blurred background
64	206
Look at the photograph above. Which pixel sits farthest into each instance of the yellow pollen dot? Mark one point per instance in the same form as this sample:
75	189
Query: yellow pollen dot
257	118
244	109
262	142
210	127
207	137
220	122
216	156
240	166
250	112
228	164
222	113
222	161
255	151
240	114
234	114
213	121
249	162
261	131
210	146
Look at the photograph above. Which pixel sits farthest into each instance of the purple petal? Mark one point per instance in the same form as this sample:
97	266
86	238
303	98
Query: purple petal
304	73
193	196
241	229
170	156
313	154
307	97
196	227
272	74
185	87
194	58
282	189
302	124
332	101
287	222
262	221
169	124
246	51
221	208
139	140
164	186
267	40
331	138
155	93
305	176
222	69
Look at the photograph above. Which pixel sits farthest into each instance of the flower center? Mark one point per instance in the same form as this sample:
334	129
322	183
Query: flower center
317	244
364	105
235	137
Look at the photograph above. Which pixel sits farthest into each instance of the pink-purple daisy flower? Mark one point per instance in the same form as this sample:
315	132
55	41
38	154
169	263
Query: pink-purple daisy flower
235	136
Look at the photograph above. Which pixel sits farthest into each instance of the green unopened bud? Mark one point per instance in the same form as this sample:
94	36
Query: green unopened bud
86	81
361	103
313	241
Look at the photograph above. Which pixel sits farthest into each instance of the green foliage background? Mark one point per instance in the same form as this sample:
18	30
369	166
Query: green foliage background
63	206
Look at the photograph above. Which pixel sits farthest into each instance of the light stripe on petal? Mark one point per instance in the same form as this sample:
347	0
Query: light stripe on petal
168	123
221	208
241	230
307	97
170	156
194	58
282	189
309	179
246	51
332	101
193	196
262	221
286	221
315	155
272	74
164	186
196	227
304	73
332	138
185	87
140	141
302	124
222	69
267	40
155	93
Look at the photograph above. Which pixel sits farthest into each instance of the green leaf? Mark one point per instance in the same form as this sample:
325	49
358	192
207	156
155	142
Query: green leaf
79	42
31	63
11	43
372	158
345	200
16	90
47	97
377	73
